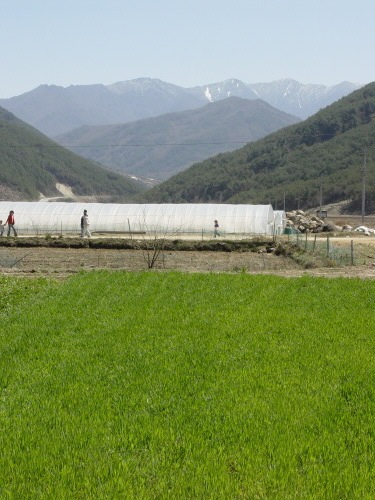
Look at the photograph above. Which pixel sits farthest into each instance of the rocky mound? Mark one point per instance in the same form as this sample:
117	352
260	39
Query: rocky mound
302	222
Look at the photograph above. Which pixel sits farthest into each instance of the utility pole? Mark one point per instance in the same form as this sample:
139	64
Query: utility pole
320	196
364	185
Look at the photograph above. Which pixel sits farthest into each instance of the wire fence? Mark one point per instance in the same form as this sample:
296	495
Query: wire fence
342	252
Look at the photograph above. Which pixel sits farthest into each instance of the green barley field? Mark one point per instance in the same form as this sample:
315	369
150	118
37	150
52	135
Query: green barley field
187	386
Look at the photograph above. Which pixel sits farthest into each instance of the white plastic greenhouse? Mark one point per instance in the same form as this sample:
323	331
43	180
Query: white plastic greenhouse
63	218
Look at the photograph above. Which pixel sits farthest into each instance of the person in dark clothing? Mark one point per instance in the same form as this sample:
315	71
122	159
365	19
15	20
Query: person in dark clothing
216	228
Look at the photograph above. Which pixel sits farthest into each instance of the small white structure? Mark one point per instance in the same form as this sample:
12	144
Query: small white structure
50	217
280	221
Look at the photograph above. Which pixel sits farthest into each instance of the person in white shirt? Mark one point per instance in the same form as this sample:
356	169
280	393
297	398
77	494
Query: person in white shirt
85	225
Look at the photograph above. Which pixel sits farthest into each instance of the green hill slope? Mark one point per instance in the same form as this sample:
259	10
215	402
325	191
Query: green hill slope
163	146
31	164
328	148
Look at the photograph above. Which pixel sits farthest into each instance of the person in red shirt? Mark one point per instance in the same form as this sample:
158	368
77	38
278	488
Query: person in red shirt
11	221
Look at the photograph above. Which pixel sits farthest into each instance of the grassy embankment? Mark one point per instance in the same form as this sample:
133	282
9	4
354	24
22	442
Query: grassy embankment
172	385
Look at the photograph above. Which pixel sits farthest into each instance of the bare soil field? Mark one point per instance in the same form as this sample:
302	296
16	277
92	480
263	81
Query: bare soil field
59	263
63	262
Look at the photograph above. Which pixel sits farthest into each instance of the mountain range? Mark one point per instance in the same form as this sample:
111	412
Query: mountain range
329	154
326	157
55	110
160	147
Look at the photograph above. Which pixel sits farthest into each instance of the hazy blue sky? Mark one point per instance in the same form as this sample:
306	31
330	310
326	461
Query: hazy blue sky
185	42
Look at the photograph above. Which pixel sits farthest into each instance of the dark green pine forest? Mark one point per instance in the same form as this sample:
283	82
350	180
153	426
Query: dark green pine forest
31	164
324	154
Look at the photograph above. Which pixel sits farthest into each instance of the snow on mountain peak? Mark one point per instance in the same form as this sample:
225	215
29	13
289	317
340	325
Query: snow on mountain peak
207	93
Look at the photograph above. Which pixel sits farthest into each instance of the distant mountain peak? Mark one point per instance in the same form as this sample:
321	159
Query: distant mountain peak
139	85
55	110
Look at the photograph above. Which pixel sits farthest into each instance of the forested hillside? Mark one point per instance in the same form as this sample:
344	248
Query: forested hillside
329	149
31	164
163	146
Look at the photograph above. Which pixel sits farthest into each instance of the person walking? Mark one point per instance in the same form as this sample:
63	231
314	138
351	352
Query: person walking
2	228
85	225
216	228
11	221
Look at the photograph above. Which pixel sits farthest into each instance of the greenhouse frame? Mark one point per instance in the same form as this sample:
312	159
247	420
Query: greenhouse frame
38	218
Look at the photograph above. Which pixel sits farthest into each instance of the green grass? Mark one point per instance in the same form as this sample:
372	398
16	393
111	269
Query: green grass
168	385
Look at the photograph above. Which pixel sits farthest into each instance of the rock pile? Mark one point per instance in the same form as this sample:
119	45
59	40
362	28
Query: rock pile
302	222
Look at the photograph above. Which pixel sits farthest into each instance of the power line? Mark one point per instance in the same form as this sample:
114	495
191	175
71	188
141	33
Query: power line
212	143
283	142
47	146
